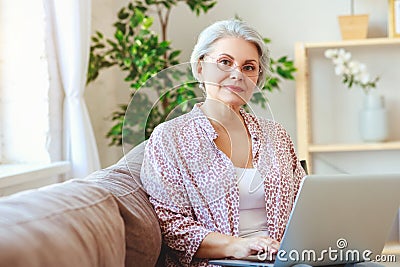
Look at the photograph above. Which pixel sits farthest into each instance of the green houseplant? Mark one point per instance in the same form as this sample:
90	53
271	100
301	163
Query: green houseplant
140	53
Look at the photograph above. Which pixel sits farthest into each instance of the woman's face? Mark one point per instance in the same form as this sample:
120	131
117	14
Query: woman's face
230	71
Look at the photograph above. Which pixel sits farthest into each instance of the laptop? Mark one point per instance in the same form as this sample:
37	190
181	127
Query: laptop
336	219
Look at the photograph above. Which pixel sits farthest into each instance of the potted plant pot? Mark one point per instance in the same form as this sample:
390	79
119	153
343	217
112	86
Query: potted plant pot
353	26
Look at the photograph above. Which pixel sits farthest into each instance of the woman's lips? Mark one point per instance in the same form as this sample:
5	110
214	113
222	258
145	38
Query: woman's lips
234	88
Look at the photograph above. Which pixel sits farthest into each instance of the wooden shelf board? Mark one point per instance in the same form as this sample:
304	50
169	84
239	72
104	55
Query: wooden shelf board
355	147
348	43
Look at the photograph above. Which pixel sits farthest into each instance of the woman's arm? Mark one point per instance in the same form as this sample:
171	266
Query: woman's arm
161	176
217	245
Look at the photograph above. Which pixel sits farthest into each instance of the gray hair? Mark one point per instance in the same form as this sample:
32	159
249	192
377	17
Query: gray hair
230	28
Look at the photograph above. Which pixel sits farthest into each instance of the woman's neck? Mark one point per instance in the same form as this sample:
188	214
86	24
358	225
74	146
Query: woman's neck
221	113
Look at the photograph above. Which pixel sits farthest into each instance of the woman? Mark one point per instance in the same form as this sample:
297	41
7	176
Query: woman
221	180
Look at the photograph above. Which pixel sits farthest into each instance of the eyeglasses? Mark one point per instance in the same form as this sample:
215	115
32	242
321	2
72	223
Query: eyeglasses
227	64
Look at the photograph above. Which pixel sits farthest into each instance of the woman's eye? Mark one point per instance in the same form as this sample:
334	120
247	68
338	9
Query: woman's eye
226	62
249	68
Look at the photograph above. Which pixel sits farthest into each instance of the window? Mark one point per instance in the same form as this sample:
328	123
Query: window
24	83
30	101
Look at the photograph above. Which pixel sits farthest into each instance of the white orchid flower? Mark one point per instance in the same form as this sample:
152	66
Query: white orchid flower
340	69
353	72
355	67
364	78
331	53
338	61
345	56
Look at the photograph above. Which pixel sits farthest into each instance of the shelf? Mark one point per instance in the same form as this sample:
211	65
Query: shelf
355	147
349	43
304	53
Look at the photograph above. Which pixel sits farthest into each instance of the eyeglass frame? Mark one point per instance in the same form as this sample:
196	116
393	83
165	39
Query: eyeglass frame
233	67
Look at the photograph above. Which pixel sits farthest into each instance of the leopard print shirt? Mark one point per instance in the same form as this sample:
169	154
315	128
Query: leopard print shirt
193	185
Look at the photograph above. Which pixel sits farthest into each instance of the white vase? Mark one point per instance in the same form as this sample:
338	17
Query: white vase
373	119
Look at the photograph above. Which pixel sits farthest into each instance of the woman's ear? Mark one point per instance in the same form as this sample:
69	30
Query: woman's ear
199	68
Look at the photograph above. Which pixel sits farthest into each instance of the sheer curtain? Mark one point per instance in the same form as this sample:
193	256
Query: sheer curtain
70	30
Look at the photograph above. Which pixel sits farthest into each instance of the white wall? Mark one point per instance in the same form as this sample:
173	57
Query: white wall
284	22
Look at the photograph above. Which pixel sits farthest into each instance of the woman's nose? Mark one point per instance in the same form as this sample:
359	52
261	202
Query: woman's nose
236	73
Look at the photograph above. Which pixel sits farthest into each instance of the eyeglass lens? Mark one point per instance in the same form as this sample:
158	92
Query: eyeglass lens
248	69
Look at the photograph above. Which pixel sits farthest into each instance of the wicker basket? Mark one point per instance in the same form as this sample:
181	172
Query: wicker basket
353	27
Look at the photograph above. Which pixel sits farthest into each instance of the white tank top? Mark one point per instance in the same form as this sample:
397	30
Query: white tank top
252	213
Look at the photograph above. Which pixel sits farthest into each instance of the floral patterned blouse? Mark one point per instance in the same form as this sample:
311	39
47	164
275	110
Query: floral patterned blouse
193	185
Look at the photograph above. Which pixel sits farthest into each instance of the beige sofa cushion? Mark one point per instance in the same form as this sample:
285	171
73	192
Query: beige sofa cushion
143	235
75	223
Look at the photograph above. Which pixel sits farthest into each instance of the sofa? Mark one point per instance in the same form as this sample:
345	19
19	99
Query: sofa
104	219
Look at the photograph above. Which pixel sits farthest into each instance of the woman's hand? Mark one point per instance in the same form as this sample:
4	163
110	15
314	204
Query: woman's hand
242	247
216	246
